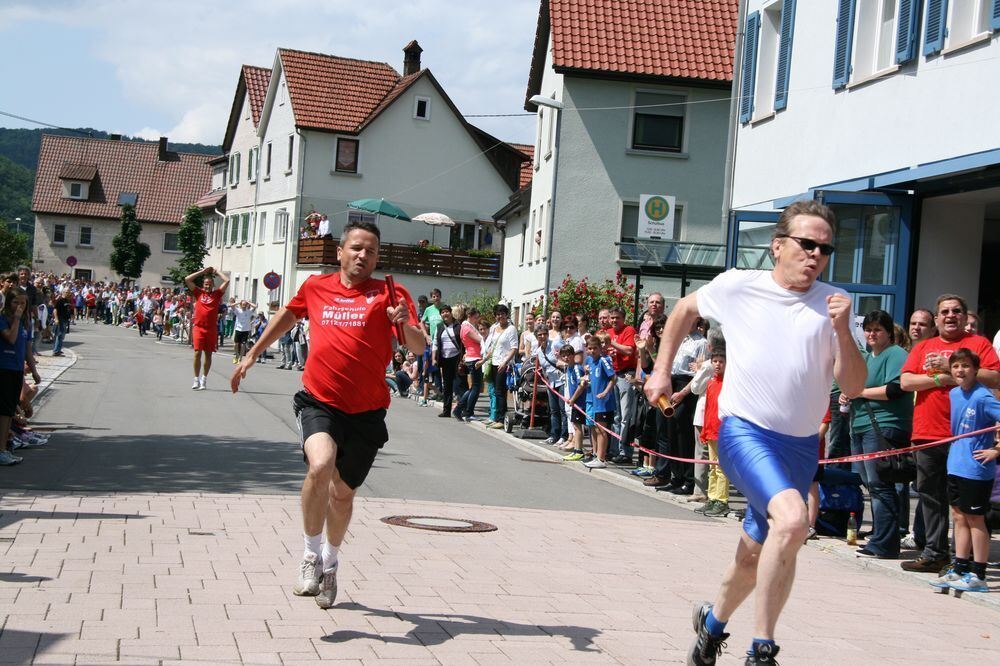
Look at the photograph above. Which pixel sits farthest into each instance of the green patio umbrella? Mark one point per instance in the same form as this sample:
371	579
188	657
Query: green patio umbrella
380	207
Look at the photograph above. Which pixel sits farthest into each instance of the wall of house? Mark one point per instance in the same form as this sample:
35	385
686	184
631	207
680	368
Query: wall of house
949	255
51	257
522	278
896	121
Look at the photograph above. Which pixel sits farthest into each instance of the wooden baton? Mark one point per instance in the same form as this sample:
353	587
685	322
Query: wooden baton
400	331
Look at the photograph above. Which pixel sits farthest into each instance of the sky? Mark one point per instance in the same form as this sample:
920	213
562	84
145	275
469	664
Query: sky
155	68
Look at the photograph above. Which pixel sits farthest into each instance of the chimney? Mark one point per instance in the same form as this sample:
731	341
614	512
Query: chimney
411	59
115	137
163	149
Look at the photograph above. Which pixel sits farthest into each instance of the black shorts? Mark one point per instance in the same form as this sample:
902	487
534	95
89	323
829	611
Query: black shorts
358	436
576	416
240	337
970	496
604	418
11	383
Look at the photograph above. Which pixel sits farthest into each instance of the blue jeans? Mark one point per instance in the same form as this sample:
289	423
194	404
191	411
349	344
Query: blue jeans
557	416
58	333
471	396
884	539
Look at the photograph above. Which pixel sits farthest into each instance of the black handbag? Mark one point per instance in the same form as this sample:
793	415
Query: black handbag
900	468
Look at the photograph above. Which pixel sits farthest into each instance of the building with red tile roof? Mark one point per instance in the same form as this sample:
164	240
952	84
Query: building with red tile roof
635	95
79	184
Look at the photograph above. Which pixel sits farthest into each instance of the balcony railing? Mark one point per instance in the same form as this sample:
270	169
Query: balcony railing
397	258
655	253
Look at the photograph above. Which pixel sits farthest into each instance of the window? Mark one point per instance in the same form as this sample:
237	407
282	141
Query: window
267	162
969	19
220	231
234	170
252	164
531	237
538	136
462	236
422	108
245	229
209	227
347	156
524	238
76	190
234	229
59	234
281	93
361	216
261	226
875	30
291	152
171	242
658	123
767	59
85	236
280	225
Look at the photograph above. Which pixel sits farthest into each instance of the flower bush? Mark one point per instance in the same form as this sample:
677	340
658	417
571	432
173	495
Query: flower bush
584	297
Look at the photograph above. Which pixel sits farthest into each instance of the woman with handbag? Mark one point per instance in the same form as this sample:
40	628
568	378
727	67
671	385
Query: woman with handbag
881	418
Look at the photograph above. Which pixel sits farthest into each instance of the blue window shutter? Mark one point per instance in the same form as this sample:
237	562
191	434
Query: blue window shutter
906	31
749	74
995	18
935	26
842	48
784	54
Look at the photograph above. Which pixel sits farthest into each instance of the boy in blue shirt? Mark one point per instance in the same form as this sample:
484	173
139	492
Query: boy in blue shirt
971	471
601	374
576	386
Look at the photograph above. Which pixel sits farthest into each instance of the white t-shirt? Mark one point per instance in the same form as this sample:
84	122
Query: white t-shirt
504	341
243	318
780	348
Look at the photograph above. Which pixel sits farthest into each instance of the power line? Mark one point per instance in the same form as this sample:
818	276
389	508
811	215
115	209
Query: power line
45	124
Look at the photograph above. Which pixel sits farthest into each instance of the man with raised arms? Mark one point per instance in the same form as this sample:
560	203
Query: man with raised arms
205	323
787	336
341	410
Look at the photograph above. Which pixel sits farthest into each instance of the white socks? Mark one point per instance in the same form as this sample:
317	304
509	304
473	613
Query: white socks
313	544
330	553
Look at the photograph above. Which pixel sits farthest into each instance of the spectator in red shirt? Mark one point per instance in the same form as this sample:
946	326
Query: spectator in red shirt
623	356
205	322
928	374
718	484
341	411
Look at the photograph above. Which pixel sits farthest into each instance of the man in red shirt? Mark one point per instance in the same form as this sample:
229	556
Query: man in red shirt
341	411
623	358
205	320
928	373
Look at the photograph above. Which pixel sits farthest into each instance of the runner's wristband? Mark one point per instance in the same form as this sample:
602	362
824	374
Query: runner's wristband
937	380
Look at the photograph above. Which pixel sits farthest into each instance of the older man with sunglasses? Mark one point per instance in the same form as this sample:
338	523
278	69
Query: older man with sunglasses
788	335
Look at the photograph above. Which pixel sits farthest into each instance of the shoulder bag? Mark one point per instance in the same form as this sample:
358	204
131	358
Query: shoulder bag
900	468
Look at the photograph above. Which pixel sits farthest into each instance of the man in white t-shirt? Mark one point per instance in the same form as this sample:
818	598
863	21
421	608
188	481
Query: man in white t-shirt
787	337
243	325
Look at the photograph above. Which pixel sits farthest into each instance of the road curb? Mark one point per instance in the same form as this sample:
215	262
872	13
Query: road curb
49	381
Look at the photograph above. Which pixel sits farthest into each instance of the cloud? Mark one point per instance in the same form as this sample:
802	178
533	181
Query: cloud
179	59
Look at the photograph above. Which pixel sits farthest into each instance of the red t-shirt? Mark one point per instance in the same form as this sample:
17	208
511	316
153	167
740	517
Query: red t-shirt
350	340
206	308
626	338
932	411
710	427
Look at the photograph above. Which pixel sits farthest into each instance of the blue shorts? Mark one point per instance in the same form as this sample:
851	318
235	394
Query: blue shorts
761	464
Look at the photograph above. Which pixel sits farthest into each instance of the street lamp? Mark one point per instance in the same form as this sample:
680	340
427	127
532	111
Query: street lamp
557	107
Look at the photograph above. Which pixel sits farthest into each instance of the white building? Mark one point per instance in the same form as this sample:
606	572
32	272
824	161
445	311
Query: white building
331	130
887	111
643	89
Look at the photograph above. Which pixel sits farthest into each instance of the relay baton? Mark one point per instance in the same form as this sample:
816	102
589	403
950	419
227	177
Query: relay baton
391	284
664	404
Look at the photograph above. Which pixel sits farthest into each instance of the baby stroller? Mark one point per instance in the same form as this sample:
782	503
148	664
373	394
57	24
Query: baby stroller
521	383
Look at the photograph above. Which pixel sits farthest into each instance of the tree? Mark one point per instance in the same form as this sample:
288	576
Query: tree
129	254
191	243
13	248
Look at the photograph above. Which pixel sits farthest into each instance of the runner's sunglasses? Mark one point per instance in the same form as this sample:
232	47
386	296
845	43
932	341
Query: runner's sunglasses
808	244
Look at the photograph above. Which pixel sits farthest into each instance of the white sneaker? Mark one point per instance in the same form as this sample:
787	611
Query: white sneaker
310	573
908	543
201	383
560	441
596	464
327	589
550	440
195	385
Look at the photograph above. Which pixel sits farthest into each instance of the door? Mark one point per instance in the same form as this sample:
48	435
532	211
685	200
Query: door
750	235
84	274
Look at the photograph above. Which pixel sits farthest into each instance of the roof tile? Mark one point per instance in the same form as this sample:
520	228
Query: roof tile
257	80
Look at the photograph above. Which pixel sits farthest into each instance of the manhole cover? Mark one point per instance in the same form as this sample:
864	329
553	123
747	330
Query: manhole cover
439	524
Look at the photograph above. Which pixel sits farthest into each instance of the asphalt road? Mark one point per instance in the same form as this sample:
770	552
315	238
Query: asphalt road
125	419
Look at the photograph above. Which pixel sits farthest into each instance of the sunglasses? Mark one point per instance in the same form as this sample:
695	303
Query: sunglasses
808	245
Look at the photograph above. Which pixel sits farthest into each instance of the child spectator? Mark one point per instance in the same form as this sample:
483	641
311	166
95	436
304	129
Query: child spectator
971	472
718	484
576	384
158	323
601	376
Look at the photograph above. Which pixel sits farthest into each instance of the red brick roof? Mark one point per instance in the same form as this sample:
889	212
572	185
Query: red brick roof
165	188
679	39
526	167
212	200
78	171
256	80
332	93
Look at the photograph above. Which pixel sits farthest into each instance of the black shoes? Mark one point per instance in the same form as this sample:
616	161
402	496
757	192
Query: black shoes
706	648
621	459
762	654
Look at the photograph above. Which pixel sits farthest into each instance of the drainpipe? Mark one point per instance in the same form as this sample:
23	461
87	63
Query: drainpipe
734	110
256	228
293	233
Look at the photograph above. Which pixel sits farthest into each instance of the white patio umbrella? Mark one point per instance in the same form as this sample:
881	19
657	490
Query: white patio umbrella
434	220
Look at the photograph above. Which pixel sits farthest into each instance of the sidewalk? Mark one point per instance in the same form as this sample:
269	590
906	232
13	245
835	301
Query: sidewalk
139	579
